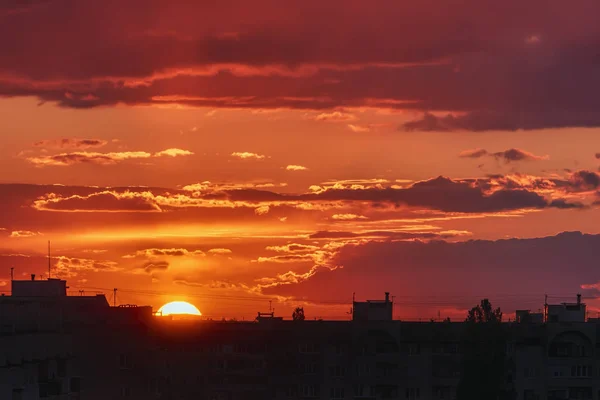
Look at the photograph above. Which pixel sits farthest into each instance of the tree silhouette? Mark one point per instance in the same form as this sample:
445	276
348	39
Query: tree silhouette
484	313
298	314
485	368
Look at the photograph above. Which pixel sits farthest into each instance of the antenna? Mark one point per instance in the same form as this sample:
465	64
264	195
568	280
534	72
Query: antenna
114	297
12	274
48	259
270	305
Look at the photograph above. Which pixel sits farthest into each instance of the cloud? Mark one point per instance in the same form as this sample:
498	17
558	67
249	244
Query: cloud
102	201
24	234
335	116
262	210
292	248
293	167
274	63
166	252
358	128
71	266
289	258
483	195
220	251
597	155
504	120
474	153
387	234
210	187
71	143
507	156
154	266
247	156
490	264
67	159
173	153
347	217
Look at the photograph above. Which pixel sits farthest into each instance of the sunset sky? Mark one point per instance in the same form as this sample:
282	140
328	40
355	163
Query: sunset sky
232	153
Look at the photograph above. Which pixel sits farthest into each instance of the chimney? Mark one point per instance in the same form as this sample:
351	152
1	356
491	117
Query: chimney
578	299
33	277
387	297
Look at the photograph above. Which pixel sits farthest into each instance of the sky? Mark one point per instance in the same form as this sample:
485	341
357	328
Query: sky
244	156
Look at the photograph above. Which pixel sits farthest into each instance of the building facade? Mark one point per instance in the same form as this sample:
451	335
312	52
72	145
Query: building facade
54	346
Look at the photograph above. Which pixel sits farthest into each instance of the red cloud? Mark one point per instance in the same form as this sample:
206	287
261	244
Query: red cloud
71	143
216	59
66	159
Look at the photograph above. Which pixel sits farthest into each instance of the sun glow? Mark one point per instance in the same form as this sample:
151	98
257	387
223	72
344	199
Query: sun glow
179	308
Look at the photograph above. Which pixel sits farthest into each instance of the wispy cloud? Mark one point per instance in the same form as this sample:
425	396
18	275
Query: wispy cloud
358	128
71	143
220	251
24	234
335	116
173	252
67	159
244	155
347	217
507	156
294	167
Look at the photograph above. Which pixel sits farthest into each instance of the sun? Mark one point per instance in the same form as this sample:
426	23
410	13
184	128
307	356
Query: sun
178	308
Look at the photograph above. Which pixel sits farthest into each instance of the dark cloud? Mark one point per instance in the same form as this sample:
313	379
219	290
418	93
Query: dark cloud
584	180
463	58
71	143
444	194
153	266
507	156
510	120
475	153
472	269
67	159
105	201
397	235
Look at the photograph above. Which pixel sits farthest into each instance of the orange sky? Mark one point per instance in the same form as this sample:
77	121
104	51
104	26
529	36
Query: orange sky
182	153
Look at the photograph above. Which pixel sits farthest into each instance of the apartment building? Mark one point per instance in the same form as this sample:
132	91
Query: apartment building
55	346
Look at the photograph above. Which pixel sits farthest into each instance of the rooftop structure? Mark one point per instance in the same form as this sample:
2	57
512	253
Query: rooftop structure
39	288
373	310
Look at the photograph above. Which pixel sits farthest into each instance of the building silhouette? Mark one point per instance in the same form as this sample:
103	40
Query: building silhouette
54	346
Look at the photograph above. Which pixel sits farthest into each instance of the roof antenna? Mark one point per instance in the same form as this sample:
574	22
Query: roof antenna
48	260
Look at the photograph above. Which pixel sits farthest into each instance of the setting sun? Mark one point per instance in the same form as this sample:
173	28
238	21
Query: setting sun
179	308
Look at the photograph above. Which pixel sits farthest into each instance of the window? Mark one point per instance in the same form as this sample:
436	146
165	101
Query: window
413	349
291	391
529	394
530	372
363	370
442	393
227	349
124	361
307	348
17	394
336	393
413	393
337	371
75	385
308	369
125	392
581	371
219	364
61	367
309	391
